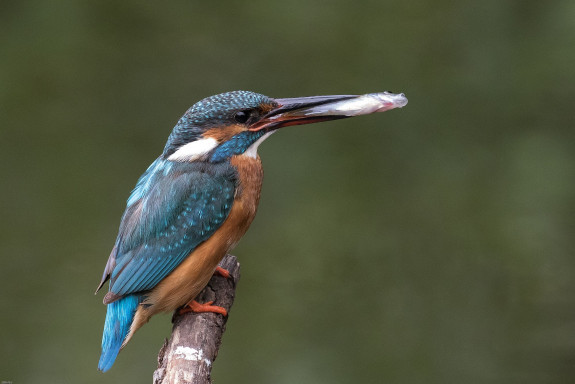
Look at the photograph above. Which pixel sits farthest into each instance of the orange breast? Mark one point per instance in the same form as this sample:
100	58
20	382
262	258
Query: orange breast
192	275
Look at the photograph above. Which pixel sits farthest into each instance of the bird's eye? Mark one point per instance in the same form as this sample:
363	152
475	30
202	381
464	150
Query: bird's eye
242	116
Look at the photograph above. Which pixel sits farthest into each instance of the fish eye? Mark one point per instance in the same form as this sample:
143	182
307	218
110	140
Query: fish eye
242	116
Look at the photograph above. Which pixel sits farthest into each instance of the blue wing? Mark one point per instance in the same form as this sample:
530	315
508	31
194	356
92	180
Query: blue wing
174	208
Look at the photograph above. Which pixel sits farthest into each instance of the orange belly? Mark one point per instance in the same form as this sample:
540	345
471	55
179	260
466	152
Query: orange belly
191	276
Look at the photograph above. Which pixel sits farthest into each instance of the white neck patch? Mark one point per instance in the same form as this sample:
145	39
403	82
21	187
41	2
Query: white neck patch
194	150
252	150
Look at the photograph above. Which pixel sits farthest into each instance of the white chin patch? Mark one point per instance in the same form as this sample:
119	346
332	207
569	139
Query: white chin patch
194	150
252	151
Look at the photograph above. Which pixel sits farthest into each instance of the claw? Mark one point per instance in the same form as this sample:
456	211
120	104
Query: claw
222	272
194	306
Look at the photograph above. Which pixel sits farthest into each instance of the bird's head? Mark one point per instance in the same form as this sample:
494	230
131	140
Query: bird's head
234	123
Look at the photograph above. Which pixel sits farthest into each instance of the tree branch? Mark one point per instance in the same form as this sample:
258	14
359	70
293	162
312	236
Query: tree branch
187	357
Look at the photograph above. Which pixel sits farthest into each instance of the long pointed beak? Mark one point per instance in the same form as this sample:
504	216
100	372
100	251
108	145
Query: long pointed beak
306	110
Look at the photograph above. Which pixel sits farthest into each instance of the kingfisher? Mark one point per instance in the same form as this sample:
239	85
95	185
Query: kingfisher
197	199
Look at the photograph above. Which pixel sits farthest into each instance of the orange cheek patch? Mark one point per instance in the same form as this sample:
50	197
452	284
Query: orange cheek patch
267	108
224	133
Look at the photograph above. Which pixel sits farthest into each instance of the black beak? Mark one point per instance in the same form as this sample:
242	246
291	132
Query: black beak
306	110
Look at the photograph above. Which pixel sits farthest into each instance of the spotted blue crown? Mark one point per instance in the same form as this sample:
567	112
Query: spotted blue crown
211	112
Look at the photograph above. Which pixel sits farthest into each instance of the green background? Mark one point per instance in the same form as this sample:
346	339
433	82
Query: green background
431	244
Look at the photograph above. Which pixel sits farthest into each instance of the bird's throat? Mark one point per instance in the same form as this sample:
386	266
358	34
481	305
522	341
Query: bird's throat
252	150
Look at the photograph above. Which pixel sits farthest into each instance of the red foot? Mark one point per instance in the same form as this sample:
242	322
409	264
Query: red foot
194	306
222	272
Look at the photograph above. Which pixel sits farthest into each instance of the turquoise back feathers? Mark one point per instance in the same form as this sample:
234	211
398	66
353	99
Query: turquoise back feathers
168	215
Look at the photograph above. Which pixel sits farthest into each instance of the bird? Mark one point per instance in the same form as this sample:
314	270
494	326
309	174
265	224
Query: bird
197	199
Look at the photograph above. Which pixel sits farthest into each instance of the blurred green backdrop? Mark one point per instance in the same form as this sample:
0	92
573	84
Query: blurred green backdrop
432	244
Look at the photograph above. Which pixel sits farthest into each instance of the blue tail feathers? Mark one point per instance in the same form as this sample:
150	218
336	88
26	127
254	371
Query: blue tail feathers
119	317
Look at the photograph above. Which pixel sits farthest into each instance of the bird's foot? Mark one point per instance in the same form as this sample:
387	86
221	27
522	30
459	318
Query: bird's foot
194	306
222	272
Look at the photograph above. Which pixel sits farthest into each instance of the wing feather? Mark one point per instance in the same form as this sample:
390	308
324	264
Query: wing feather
174	208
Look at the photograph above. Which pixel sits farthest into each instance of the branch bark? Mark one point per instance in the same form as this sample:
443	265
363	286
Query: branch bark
187	357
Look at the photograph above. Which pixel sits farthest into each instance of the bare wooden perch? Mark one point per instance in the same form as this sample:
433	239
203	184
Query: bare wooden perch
187	357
